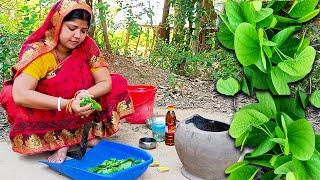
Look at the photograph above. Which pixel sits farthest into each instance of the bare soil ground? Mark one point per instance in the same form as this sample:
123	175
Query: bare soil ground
185	93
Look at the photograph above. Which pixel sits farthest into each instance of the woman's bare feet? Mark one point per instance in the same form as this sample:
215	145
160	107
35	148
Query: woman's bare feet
59	156
93	142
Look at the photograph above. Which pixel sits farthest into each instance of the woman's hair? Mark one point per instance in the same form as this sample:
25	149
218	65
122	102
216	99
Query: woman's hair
78	14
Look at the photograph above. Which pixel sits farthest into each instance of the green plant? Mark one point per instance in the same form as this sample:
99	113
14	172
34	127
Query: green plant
264	37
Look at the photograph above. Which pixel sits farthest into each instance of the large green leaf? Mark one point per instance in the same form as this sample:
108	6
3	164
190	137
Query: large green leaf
309	16
240	141
263	160
303	98
234	14
248	11
246	172
277	160
269	22
301	65
285	168
301	139
300	171
279	82
290	176
247	44
256	135
302	7
263	14
315	99
264	147
278	5
288	48
245	87
312	166
266	105
244	120
283	116
317	142
228	87
282	36
235	166
290	106
262	62
225	36
268	175
256	77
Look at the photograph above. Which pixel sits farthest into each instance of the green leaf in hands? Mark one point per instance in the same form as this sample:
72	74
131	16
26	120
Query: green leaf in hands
88	100
228	87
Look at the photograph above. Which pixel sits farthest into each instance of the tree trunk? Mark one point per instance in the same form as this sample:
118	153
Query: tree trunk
164	28
207	23
197	28
126	46
105	30
92	26
137	45
147	42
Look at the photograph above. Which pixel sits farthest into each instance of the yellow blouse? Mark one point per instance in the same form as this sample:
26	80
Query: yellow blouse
44	64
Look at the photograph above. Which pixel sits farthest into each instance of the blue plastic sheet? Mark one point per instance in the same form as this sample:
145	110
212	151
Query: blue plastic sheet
78	169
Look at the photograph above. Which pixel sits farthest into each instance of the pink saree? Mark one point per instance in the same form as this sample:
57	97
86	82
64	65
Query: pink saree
34	130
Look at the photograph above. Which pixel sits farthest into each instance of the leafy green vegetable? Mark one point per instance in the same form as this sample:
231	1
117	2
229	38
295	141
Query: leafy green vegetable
114	165
228	87
88	100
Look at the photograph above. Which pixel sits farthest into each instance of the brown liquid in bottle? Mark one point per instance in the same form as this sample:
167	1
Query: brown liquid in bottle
170	126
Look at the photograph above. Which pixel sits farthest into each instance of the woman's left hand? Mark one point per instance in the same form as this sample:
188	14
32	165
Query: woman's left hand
83	93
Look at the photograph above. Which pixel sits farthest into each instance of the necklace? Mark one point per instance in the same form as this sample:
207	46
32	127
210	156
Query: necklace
59	58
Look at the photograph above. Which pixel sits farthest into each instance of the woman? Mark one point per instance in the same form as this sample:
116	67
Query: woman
58	65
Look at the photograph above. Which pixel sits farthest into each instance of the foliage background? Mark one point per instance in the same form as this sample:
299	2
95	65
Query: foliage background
130	38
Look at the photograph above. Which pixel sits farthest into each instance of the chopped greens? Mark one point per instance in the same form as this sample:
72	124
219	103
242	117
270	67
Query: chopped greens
88	100
114	165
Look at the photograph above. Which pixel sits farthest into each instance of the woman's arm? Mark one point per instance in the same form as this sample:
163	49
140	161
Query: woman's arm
102	82
24	94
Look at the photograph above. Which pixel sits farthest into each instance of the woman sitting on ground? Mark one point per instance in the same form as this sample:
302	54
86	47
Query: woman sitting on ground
58	65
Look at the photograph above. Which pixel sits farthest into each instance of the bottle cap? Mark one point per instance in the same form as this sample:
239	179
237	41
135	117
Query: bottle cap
170	106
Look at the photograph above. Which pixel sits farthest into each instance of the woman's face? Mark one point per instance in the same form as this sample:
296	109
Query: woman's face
73	33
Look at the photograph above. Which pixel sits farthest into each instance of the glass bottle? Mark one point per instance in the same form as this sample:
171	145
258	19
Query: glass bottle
170	126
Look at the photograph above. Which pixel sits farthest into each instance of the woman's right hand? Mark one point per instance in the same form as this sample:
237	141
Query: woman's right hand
83	111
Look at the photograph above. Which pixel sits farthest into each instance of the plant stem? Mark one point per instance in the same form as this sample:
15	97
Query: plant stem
234	104
268	130
270	135
310	85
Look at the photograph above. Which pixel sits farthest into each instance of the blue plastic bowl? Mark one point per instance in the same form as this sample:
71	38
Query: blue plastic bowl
78	169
